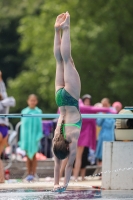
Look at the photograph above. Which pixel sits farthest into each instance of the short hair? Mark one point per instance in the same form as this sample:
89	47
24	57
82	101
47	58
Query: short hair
60	144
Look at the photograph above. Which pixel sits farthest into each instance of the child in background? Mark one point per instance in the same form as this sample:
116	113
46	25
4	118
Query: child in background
30	135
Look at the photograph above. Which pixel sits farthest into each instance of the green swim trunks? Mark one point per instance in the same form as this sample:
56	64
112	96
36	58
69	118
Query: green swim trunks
63	98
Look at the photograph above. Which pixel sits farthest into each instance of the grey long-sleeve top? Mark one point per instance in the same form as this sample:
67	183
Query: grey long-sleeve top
3	89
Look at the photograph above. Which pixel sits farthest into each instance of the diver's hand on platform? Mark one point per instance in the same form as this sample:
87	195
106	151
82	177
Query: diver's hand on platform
62	189
56	188
59	189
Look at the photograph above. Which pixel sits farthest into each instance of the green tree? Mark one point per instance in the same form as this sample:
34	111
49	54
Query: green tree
10	58
101	35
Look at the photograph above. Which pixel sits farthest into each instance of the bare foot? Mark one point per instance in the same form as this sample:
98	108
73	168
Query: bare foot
60	18
66	22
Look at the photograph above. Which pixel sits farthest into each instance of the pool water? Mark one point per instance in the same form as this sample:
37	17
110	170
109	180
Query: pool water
42	195
32	194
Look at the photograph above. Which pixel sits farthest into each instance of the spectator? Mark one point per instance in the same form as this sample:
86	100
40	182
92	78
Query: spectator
30	135
117	105
87	136
5	103
84	158
106	132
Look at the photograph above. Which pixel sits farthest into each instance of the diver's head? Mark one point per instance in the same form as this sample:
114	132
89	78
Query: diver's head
60	144
60	147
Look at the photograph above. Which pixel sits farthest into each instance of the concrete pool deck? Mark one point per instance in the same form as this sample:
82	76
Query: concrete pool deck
18	190
47	184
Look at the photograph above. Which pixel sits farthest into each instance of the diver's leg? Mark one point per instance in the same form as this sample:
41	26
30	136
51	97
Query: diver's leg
59	79
71	76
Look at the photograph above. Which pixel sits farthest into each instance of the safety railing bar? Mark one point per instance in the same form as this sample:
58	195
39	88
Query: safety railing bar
53	116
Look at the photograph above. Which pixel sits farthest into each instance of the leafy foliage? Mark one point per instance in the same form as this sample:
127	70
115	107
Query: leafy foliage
101	36
10	57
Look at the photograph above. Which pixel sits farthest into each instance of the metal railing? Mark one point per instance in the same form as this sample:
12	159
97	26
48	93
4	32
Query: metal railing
52	116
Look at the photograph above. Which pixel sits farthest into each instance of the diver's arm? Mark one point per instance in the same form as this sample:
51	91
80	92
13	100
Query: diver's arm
56	170
71	158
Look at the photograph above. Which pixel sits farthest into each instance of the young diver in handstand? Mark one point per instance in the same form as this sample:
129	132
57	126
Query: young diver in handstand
67	86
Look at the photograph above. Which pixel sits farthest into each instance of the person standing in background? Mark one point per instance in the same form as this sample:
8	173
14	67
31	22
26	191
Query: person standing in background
117	105
106	133
5	103
87	136
84	157
31	133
